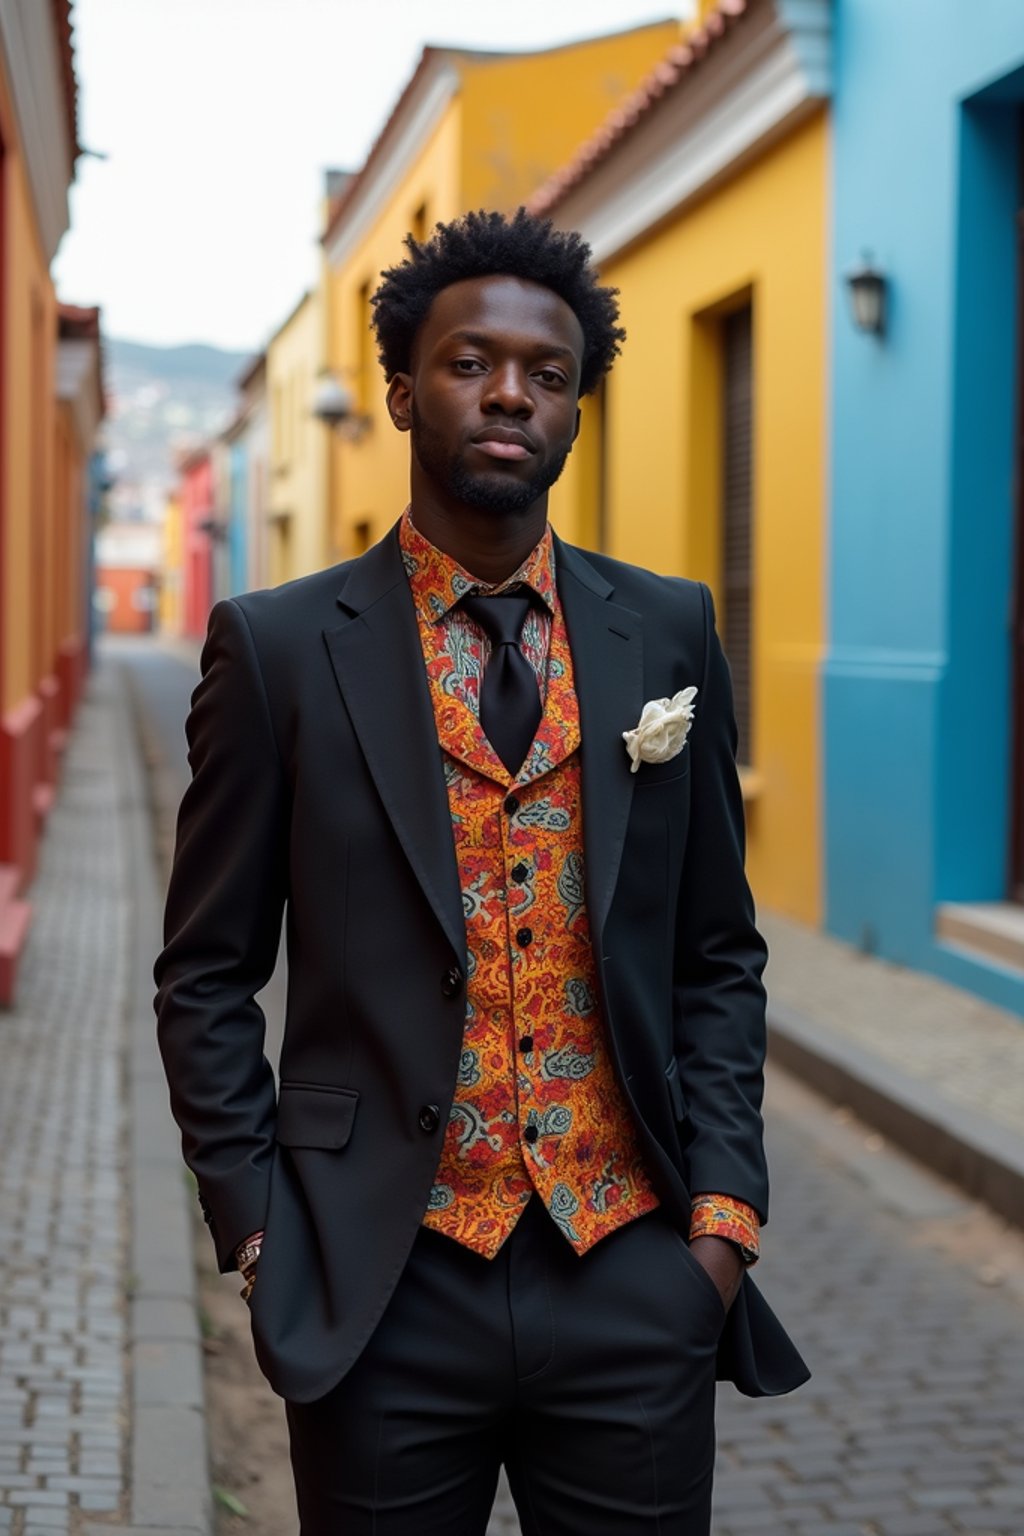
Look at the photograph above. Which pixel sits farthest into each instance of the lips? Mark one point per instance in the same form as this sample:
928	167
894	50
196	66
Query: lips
504	443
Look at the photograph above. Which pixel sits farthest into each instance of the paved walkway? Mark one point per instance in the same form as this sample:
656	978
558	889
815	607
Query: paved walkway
932	1067
963	1048
63	1388
100	1393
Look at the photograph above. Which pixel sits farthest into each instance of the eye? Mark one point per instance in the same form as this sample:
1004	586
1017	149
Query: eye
551	376
467	364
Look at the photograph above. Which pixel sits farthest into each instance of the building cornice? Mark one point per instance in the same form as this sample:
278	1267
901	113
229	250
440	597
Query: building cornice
422	109
32	49
761	79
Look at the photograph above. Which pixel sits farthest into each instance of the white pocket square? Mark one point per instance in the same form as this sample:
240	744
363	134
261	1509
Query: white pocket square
662	731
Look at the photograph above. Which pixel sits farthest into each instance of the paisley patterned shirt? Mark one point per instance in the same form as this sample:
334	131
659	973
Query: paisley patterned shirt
537	1105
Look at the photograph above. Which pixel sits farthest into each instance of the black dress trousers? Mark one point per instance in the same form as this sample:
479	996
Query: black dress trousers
591	1378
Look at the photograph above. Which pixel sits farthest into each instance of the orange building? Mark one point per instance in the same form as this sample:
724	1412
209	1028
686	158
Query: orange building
51	401
127	582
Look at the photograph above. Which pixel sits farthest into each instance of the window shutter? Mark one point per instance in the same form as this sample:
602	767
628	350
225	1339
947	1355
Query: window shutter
737	509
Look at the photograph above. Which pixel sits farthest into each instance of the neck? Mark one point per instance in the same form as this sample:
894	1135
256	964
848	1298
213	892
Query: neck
489	545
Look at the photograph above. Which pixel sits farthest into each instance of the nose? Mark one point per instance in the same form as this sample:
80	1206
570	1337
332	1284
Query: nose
507	392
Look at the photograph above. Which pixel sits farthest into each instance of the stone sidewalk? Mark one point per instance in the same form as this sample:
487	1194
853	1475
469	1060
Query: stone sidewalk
935	1069
101	1424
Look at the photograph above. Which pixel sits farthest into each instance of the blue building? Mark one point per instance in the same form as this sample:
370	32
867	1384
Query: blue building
924	678
238	515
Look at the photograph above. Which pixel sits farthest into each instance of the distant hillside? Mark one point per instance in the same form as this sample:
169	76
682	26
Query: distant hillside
194	361
161	399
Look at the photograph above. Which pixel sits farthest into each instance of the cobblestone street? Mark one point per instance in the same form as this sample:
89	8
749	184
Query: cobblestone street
906	1297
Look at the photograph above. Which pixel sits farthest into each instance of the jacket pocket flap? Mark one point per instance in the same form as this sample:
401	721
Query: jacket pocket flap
309	1115
675	1089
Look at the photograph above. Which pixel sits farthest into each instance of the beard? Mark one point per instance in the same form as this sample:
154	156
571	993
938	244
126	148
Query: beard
488	491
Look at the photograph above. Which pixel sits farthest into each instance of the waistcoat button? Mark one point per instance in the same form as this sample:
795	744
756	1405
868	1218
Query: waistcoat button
451	981
430	1117
531	1133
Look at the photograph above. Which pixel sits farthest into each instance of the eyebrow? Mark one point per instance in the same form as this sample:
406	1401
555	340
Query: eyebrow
482	339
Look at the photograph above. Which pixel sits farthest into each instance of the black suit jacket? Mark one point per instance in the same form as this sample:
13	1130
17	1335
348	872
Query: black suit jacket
317	792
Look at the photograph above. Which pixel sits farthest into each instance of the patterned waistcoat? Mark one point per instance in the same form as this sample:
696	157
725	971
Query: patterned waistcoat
537	1104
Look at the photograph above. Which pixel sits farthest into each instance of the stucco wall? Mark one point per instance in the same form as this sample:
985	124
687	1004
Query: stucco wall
762	234
917	681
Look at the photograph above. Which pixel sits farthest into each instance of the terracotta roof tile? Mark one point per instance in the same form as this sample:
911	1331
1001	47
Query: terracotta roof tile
666	76
78	322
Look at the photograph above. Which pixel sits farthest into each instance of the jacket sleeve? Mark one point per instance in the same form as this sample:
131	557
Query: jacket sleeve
221	934
719	1001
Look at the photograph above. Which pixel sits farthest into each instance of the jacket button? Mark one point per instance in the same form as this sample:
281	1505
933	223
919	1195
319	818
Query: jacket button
430	1117
524	937
511	804
451	981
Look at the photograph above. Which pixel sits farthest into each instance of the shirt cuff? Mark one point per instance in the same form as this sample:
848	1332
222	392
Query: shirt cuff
722	1216
248	1252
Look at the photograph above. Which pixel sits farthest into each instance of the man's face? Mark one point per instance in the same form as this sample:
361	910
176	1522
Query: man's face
491	400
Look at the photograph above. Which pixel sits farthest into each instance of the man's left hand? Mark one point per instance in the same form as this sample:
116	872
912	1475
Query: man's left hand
723	1263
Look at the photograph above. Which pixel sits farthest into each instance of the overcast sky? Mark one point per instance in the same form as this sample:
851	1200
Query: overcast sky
218	117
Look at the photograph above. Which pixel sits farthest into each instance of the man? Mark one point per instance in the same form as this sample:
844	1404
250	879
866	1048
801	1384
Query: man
502	1207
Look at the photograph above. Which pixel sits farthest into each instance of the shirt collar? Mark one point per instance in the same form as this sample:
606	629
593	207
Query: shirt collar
438	582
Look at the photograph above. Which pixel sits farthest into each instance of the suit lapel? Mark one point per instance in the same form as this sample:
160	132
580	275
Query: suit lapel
607	659
378	664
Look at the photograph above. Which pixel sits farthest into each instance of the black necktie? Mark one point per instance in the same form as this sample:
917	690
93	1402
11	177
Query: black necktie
509	697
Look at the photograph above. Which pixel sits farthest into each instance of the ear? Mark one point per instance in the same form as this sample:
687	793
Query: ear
399	398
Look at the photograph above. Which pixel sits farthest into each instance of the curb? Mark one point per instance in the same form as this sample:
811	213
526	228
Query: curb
984	1159
169	1454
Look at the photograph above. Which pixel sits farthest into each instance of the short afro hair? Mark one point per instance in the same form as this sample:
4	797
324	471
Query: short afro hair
488	244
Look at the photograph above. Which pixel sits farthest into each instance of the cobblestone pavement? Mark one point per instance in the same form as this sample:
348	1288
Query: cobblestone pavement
906	1298
63	1401
908	1302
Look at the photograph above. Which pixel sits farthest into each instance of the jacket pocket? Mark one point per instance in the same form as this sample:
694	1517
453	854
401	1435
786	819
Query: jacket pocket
309	1115
650	775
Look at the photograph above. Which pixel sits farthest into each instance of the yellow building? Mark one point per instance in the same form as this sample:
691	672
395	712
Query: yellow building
704	455
471	130
297	516
171	614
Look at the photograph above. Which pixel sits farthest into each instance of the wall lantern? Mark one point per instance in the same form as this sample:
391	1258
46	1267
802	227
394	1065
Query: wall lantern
867	285
334	405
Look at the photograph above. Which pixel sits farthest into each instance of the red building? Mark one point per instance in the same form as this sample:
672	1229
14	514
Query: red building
198	517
